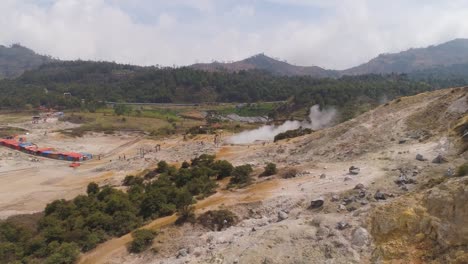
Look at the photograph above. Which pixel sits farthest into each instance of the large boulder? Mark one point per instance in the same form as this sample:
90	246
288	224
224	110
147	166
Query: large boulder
317	203
439	159
360	237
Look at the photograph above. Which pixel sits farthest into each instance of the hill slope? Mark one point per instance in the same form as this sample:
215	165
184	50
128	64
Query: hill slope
17	59
280	224
263	62
449	53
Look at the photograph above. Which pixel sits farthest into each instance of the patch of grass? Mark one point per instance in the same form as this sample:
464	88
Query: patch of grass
7	118
107	122
255	109
10	131
462	170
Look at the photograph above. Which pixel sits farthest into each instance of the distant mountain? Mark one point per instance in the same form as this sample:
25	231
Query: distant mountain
446	54
17	59
263	62
454	52
449	58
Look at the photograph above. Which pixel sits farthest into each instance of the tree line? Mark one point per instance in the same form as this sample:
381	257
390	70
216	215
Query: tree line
74	84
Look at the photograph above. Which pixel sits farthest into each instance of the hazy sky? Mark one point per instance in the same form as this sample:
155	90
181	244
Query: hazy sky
328	33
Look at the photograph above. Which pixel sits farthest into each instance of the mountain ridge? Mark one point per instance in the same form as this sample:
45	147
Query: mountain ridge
263	62
16	59
414	59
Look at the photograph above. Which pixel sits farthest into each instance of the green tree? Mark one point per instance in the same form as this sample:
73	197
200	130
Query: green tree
223	167
241	175
93	188
122	109
142	240
270	169
162	167
66	253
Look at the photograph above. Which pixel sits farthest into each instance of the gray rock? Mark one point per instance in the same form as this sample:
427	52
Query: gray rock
341	208
323	176
360	237
335	198
439	159
342	225
402	141
282	216
354	170
362	194
322	232
317	203
380	195
449	172
359	186
420	157
182	253
347	178
348	200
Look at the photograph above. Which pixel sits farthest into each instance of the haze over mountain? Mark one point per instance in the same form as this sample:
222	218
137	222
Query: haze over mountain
17	59
415	59
445	54
263	62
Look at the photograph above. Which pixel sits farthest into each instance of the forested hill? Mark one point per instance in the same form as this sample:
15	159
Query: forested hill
16	59
263	62
104	81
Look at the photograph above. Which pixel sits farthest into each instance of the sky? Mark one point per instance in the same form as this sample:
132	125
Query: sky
328	33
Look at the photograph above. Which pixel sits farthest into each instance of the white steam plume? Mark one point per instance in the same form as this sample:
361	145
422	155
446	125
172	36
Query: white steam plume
317	120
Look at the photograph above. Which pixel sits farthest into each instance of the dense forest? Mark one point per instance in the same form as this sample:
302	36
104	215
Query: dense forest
75	84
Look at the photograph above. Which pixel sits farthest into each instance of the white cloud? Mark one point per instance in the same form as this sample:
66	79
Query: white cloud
183	31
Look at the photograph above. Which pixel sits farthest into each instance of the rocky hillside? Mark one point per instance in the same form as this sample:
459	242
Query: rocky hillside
381	188
17	59
263	62
446	54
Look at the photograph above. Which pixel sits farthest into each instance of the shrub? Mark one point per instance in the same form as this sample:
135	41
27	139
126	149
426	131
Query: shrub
130	180
93	188
289	173
462	170
142	240
270	169
162	167
203	160
186	214
293	133
185	165
223	167
217	220
241	175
